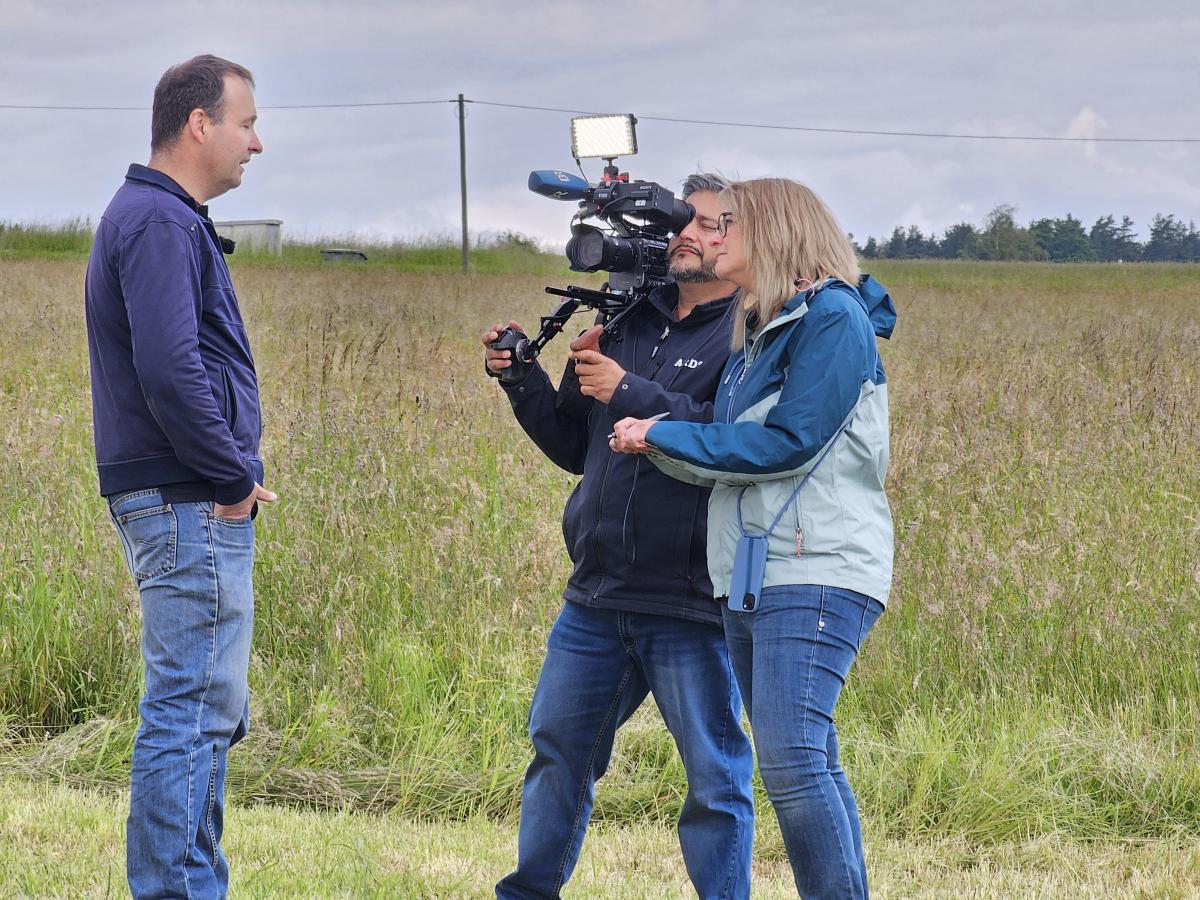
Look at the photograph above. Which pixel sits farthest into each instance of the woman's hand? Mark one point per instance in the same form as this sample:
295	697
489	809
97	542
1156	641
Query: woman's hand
629	436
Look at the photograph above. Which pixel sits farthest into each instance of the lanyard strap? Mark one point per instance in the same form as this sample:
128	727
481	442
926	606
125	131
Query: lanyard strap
796	492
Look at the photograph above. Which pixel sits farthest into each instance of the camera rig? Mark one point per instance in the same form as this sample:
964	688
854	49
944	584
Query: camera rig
641	217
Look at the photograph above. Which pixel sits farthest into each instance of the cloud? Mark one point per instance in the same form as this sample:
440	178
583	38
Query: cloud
1087	124
1086	69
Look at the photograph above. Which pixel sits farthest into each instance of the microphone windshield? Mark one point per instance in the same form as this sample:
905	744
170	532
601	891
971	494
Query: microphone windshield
558	185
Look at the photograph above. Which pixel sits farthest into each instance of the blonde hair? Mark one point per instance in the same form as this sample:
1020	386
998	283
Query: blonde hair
788	234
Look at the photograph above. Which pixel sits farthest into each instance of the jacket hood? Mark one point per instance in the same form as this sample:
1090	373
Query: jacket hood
880	308
876	301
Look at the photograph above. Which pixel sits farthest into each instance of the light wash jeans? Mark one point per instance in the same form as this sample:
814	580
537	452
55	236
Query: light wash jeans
599	666
791	656
193	572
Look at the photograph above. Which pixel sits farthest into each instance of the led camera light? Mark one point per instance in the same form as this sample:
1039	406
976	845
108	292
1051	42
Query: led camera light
604	137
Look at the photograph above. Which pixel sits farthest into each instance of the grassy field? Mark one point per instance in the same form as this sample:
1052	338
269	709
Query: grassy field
1034	682
64	842
503	254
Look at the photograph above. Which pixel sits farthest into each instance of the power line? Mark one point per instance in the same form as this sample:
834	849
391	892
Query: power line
864	131
931	134
360	105
285	106
76	108
811	129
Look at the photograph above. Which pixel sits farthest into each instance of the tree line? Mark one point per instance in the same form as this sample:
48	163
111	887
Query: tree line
1057	240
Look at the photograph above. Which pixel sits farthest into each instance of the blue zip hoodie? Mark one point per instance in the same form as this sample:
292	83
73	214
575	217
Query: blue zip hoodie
174	390
636	536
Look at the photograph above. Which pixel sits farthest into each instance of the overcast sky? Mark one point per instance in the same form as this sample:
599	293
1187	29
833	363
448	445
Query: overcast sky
1071	68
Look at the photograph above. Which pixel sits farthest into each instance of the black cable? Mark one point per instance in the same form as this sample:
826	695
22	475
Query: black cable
863	131
931	134
83	108
284	106
812	129
359	105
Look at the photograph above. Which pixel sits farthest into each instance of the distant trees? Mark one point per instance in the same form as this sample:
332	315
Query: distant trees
1063	239
1058	240
1111	242
1003	238
1170	239
961	241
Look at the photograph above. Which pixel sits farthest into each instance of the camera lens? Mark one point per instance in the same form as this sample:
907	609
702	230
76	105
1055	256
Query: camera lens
591	250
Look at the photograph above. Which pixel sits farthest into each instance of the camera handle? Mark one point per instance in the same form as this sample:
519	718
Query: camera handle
613	308
524	351
570	399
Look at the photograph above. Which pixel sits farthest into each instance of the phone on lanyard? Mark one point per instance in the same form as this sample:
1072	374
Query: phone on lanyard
749	570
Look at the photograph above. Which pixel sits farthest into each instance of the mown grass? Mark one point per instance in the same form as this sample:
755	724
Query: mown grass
62	842
1035	674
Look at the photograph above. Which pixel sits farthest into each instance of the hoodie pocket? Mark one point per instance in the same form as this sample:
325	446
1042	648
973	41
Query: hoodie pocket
819	516
574	533
694	539
231	407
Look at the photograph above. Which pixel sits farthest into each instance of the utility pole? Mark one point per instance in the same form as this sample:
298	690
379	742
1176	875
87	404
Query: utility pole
462	173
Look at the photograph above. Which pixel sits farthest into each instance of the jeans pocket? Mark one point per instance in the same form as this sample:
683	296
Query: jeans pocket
149	535
872	610
232	523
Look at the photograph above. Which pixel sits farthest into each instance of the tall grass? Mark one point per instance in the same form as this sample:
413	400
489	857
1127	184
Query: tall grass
508	253
503	254
1035	672
22	240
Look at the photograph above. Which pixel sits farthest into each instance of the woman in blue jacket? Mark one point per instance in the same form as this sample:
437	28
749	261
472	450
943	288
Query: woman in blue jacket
799	533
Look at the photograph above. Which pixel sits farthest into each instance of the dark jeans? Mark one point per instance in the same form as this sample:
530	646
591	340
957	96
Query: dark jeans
193	572
599	666
791	656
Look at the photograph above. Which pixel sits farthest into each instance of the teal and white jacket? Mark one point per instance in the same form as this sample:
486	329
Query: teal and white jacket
812	369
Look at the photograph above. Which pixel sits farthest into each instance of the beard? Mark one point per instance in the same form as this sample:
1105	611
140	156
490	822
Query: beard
693	274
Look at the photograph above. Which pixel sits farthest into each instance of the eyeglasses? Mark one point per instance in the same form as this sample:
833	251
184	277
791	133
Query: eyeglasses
724	220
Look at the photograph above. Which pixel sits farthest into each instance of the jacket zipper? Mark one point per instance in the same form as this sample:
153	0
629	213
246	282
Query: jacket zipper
600	504
741	375
661	338
596	530
666	333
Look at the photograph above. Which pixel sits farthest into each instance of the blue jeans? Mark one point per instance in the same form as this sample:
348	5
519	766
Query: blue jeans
791	656
193	572
599	666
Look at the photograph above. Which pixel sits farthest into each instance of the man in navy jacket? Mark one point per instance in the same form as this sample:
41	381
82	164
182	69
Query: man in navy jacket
640	615
177	426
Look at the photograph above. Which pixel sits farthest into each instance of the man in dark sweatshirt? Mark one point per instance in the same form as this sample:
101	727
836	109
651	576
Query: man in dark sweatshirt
177	426
640	615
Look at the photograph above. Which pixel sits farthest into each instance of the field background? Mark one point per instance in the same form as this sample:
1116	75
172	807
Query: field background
1025	717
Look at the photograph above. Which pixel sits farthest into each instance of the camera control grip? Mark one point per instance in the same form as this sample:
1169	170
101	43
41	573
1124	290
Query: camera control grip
521	359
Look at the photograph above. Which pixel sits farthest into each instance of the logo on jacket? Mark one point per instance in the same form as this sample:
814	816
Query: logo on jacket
688	363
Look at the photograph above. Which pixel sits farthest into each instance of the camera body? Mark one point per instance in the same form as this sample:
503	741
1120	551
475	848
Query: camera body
639	219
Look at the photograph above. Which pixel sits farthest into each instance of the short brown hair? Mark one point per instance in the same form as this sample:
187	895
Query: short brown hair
198	83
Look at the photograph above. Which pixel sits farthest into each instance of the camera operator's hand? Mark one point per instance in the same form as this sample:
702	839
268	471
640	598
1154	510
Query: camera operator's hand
598	374
496	360
629	436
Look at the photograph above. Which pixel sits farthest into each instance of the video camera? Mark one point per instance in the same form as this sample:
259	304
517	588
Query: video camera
640	219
